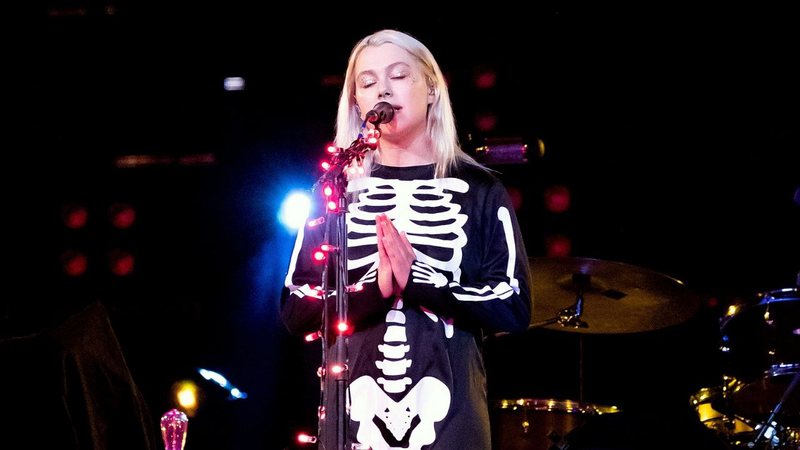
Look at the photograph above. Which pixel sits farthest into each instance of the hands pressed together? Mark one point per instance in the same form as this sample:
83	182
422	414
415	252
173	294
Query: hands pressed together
395	255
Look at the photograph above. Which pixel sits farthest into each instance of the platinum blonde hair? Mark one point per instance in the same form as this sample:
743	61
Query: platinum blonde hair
441	126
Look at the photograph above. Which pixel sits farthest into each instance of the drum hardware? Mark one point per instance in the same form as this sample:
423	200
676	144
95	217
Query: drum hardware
737	432
571	317
591	296
770	422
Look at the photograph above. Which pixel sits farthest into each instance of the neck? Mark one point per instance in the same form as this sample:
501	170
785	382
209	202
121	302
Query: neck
416	152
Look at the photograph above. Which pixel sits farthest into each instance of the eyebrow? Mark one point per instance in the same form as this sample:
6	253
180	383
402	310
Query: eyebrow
389	67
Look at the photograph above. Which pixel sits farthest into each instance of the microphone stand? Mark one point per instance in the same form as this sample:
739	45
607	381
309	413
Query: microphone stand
334	373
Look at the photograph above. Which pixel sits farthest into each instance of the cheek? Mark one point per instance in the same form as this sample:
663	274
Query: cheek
364	103
423	99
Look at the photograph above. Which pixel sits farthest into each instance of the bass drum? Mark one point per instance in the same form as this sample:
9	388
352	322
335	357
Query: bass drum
760	345
539	424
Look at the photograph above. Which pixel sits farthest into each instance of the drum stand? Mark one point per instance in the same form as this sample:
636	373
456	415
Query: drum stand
775	411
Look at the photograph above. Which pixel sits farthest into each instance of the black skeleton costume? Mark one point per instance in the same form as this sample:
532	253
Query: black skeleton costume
416	373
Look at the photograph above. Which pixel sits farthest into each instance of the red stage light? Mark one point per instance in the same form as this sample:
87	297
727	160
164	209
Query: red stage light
74	263
486	122
121	262
485	79
122	215
558	245
75	216
557	199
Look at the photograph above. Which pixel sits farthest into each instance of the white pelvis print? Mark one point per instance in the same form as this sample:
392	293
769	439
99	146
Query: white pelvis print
429	399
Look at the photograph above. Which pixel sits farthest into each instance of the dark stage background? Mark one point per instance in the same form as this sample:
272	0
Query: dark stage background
675	128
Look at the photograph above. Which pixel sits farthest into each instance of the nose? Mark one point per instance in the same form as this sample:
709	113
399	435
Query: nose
385	91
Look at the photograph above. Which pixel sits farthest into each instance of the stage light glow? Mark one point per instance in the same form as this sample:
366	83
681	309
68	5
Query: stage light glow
557	199
74	263
486	122
294	210
311	337
187	395
215	377
320	255
306	439
218	378
233	83
187	398
558	245
121	262
75	216
121	215
236	393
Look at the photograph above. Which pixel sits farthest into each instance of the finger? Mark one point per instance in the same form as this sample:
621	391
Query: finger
380	239
409	249
385	227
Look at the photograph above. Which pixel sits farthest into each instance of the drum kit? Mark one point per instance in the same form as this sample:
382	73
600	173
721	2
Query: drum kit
755	406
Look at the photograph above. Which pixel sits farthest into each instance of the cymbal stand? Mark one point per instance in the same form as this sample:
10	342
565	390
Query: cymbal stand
777	409
571	317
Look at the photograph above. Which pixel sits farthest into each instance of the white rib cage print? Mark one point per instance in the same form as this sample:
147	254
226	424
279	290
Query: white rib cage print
423	209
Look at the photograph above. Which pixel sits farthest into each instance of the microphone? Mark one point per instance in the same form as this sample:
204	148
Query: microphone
382	112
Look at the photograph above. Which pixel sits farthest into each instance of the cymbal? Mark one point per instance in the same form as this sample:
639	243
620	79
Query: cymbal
616	297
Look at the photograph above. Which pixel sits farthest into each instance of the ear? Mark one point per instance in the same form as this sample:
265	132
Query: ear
431	95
